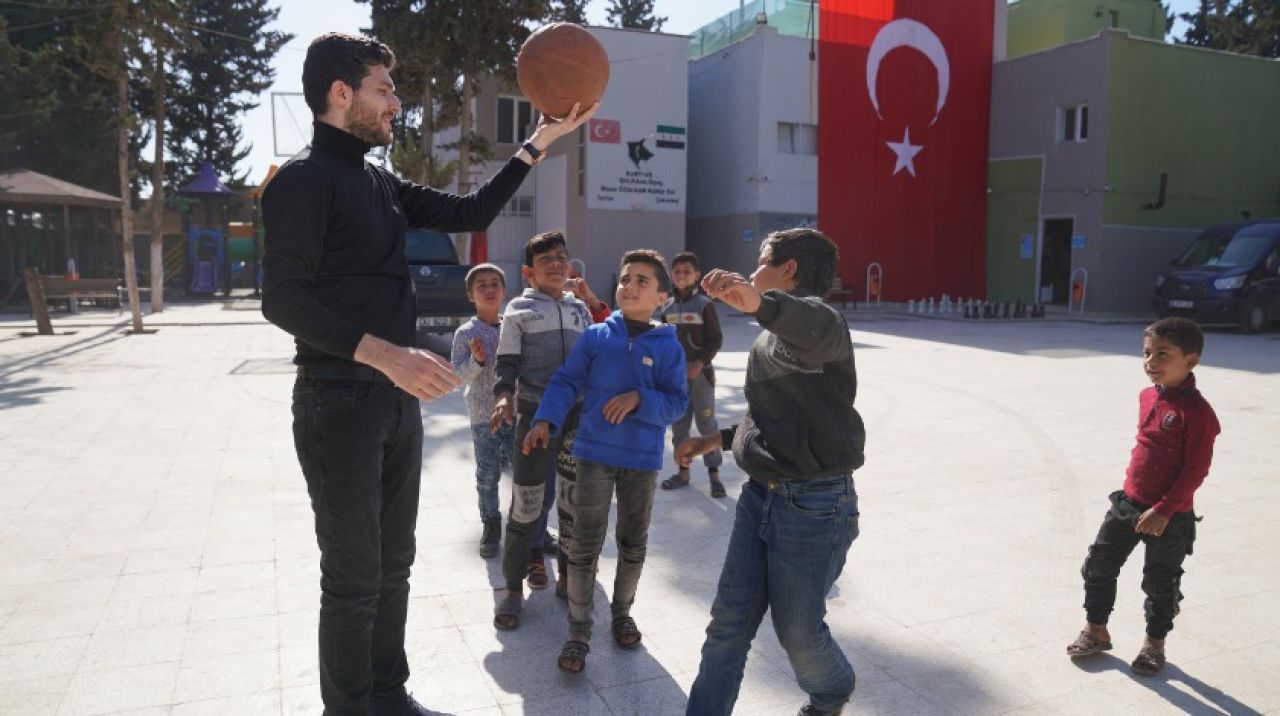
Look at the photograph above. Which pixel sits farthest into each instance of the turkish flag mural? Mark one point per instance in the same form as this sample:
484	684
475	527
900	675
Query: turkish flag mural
904	104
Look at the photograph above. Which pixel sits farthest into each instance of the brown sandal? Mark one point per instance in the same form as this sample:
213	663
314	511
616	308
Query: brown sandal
1148	663
573	657
717	487
1087	645
625	633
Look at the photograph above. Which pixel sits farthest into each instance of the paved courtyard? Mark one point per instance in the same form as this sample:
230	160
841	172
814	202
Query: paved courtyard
157	553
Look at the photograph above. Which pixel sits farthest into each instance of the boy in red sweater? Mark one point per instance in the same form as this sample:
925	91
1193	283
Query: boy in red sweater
1176	430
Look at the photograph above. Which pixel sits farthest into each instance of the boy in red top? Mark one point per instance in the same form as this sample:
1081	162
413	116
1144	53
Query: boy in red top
1176	430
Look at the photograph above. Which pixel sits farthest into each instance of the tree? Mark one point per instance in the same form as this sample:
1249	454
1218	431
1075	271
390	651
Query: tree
215	80
1247	27
634	15
574	11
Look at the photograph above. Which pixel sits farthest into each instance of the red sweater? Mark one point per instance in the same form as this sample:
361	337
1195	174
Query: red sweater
1176	430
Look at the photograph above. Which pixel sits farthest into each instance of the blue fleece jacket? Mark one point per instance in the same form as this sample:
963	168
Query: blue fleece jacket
606	362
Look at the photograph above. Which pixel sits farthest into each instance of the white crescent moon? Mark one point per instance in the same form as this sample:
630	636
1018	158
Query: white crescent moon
599	131
905	32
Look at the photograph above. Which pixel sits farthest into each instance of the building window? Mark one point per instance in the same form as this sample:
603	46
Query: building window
1074	123
797	138
519	206
1115	18
515	120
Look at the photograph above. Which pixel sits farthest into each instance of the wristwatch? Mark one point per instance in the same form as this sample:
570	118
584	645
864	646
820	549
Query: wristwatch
537	155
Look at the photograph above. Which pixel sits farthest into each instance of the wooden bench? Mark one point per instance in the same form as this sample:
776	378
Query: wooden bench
42	289
839	293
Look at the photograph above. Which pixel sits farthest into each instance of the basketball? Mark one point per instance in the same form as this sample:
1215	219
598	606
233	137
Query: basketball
560	64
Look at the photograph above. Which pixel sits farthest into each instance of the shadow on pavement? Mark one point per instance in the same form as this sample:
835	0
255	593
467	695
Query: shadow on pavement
1198	698
22	393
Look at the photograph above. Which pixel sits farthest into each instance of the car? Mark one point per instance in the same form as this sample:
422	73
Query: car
439	281
1229	274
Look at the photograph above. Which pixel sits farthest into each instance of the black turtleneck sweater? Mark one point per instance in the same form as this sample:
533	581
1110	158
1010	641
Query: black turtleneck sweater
334	266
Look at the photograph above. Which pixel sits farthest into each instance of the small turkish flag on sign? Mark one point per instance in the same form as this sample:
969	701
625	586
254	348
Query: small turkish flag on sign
608	131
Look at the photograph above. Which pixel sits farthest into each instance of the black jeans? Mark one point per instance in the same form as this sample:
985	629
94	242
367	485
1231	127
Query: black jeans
360	447
533	477
1161	573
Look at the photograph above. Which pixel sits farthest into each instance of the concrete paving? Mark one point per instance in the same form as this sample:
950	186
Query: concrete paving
157	553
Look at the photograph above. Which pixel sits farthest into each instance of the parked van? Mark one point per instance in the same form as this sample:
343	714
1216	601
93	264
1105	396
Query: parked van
1229	274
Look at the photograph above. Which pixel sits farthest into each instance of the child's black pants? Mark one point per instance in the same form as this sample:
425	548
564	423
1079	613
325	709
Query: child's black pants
1161	572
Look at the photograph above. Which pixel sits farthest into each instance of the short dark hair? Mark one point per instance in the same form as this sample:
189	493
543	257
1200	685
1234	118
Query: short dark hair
652	258
687	257
815	256
478	269
542	243
339	56
1182	332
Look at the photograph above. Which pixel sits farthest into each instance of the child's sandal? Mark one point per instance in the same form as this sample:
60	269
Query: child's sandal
1148	663
717	487
1086	645
675	481
573	657
625	632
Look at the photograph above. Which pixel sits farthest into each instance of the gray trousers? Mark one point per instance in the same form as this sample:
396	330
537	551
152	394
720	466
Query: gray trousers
702	409
588	499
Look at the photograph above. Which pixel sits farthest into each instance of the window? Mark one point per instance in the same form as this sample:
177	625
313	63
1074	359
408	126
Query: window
797	138
519	206
1074	122
1115	18
515	120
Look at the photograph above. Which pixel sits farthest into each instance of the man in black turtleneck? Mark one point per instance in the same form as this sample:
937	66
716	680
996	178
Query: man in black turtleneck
337	279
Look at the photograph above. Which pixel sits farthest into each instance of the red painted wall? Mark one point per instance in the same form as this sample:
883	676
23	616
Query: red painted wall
927	229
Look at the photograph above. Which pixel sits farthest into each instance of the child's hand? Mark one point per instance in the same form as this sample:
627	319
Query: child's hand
477	350
1152	523
693	369
620	405
732	288
690	448
579	288
504	412
539	436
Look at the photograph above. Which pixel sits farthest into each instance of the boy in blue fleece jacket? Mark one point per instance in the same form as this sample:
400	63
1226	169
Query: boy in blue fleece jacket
632	371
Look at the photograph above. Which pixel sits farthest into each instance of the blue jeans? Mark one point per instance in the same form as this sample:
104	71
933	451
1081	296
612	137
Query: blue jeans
490	449
787	548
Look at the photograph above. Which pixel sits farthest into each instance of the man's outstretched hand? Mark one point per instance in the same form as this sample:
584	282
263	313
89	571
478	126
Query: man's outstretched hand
549	130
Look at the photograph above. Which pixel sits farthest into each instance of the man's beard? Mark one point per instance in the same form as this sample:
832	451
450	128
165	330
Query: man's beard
366	124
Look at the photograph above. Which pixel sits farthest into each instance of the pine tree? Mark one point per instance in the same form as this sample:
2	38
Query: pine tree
1248	27
634	15
574	11
215	81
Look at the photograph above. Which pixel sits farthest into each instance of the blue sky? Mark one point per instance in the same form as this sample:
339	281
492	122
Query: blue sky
309	18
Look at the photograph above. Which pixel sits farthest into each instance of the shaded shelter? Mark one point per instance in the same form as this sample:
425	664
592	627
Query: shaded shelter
45	221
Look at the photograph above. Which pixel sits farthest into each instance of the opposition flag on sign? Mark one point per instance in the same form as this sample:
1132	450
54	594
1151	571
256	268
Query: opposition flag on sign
670	137
904	103
608	131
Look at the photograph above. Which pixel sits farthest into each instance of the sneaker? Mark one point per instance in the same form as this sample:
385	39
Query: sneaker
398	705
491	538
537	572
809	710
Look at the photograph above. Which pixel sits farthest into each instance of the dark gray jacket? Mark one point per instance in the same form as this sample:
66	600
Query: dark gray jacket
801	384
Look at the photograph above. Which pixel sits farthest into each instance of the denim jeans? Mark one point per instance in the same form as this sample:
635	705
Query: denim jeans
588	501
1161	572
490	448
360	447
787	548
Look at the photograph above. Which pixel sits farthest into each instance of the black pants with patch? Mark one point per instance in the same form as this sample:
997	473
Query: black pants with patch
530	474
1161	571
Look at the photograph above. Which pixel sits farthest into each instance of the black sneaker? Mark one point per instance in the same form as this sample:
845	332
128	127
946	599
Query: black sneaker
809	710
399	705
491	538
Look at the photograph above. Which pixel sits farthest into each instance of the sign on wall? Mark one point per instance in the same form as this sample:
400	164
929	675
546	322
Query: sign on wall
636	163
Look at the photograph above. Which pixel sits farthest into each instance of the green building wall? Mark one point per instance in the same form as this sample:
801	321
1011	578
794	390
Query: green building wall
1013	211
1036	25
1207	119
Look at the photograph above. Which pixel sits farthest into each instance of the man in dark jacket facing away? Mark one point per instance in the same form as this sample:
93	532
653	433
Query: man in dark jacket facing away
337	279
799	444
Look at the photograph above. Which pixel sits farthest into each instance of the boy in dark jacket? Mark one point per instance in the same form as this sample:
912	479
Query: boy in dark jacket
698	328
631	372
1176	432
799	444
